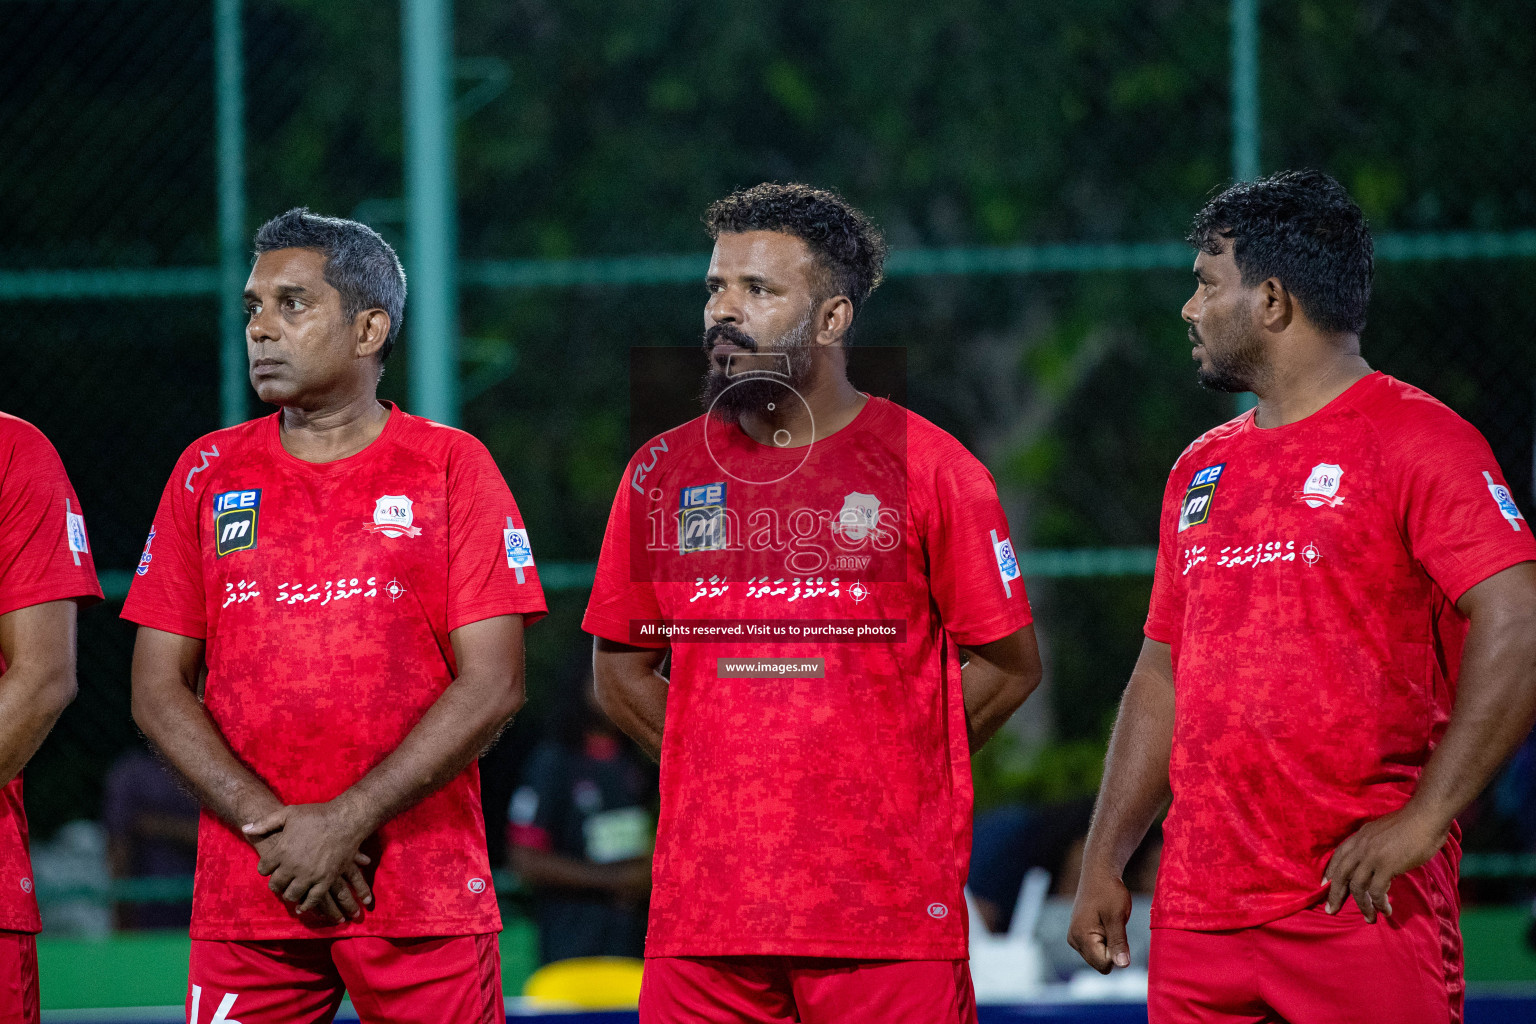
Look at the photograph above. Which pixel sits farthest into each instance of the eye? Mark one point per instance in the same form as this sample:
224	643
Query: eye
292	304
758	289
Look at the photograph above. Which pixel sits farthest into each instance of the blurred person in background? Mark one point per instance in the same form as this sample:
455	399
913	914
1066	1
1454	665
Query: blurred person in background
151	823
46	574
815	795
355	582
581	828
1345	605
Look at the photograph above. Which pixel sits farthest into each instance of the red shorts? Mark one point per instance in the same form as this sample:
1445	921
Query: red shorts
1312	968
813	990
453	980
18	978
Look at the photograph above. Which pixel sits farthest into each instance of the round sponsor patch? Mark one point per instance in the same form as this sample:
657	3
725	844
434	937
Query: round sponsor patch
937	911
476	885
26	885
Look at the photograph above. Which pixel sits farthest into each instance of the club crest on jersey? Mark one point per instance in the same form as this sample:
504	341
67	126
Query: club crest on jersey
858	517
1322	486
235	516
1199	496
1506	502
701	518
392	516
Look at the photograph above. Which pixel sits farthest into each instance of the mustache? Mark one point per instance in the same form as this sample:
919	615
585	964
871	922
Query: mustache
729	333
1194	336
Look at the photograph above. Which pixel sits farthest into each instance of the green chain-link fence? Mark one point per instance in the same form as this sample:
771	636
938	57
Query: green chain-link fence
1034	166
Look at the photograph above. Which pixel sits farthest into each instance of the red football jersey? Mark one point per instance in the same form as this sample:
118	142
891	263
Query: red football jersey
326	593
45	556
819	805
1306	582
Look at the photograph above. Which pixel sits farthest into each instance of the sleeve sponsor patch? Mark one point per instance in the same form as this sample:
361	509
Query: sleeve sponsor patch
519	552
1506	502
1007	562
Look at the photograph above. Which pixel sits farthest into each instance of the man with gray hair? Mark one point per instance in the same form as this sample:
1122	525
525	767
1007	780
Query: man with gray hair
331	608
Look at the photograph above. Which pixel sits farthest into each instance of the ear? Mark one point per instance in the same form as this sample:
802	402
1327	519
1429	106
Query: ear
833	318
372	327
1276	306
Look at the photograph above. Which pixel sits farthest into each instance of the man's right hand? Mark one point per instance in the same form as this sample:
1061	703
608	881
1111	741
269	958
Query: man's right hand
1099	914
302	850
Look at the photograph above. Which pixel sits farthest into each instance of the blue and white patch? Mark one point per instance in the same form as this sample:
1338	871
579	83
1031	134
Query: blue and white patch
235	515
1506	502
74	525
1007	562
701	523
1198	497
519	551
147	556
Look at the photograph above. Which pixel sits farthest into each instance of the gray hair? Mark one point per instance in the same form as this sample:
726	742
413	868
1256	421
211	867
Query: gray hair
358	262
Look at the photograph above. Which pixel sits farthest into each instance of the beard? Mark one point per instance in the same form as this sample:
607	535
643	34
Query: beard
730	396
1235	364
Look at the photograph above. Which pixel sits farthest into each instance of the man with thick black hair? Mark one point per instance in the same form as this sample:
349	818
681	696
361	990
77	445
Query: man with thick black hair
812	567
1345	606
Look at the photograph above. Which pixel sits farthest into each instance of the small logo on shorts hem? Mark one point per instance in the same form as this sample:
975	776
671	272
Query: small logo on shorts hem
938	911
26	885
476	885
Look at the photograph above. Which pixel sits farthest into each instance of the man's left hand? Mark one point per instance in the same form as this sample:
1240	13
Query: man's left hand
1364	864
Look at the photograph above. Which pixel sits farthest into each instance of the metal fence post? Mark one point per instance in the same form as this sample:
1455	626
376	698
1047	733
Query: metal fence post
229	75
1245	111
426	31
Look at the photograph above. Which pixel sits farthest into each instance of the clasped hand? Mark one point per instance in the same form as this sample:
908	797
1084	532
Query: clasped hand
310	857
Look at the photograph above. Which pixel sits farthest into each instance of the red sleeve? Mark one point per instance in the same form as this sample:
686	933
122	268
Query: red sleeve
45	554
973	567
624	590
167	591
1165	616
1459	519
490	562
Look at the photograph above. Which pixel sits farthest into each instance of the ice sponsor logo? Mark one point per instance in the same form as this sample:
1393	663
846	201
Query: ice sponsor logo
393	515
701	518
1322	487
235	518
1506	502
1198	497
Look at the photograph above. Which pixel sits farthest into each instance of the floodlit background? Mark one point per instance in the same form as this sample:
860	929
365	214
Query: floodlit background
542	166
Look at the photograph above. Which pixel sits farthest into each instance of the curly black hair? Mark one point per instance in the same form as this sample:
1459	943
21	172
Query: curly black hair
1302	227
849	249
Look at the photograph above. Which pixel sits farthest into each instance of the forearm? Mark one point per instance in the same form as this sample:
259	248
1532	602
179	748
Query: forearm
178	725
1494	711
1135	788
31	700
456	729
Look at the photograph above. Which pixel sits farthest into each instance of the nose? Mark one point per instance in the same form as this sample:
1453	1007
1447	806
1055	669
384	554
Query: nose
1191	310
722	308
261	326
